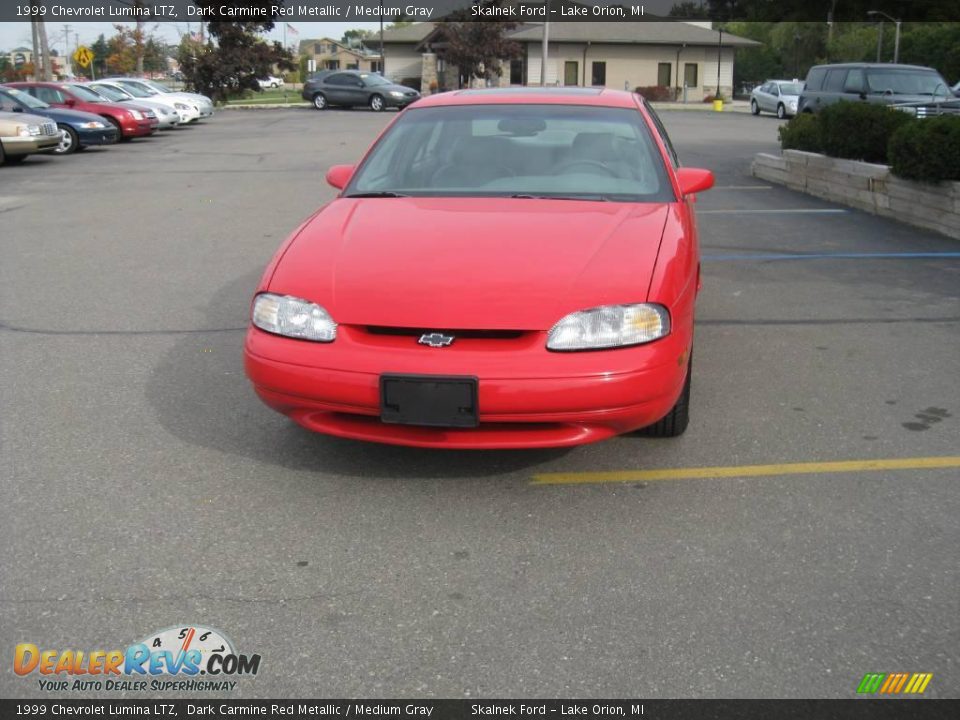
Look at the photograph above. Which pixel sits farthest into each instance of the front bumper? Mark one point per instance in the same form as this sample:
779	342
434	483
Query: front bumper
139	128
103	136
528	397
401	103
16	146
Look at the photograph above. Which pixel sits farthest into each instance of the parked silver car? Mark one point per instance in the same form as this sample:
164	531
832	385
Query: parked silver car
776	96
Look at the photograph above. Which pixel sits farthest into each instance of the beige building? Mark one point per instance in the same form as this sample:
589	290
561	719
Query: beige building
683	57
330	54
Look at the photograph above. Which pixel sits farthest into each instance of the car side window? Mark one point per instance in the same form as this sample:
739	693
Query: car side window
7	104
815	79
662	132
775	90
835	80
48	95
854	81
340	79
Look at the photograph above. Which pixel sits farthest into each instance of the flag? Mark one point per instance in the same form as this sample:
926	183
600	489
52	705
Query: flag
291	29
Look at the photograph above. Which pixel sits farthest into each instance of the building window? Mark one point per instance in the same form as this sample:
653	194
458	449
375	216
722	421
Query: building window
663	74
516	72
690	75
376	66
571	72
353	66
331	64
598	73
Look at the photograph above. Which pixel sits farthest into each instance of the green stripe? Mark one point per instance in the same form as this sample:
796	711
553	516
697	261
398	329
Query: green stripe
871	682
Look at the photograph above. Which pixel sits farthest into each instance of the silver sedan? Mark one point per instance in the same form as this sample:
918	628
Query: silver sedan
776	96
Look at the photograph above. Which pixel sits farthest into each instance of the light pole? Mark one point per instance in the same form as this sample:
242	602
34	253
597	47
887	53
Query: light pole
896	41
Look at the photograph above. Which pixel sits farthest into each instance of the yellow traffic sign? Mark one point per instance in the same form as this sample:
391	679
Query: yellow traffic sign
82	56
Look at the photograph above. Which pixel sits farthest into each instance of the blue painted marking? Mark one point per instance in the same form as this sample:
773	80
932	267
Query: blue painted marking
831	256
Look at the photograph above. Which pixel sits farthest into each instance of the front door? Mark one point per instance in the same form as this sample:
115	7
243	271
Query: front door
571	72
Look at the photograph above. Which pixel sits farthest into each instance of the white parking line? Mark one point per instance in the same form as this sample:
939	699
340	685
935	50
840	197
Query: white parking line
779	211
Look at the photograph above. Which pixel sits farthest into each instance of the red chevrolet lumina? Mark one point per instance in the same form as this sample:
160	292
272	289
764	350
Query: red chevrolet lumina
503	269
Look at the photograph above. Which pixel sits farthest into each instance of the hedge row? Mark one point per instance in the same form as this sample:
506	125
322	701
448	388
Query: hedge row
926	149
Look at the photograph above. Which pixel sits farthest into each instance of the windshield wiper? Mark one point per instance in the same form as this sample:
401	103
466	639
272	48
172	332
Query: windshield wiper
588	197
377	194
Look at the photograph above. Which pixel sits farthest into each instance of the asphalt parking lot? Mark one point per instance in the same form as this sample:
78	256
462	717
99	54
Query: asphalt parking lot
145	486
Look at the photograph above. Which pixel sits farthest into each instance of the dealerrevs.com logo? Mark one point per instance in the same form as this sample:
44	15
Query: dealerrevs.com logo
190	657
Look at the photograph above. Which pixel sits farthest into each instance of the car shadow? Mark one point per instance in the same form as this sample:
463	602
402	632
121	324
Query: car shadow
200	394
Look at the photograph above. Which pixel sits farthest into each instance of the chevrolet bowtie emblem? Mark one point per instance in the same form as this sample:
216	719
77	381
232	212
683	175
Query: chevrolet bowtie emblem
436	339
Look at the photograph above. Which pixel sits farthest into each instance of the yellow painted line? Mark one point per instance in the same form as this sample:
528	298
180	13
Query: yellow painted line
743	471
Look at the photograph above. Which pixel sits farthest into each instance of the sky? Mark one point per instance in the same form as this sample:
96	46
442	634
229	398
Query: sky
15	34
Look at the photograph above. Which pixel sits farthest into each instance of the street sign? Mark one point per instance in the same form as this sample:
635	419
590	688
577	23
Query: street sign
82	56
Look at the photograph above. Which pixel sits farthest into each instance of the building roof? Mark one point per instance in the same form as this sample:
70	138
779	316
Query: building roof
634	33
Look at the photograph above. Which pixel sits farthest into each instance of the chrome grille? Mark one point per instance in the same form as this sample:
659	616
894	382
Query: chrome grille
49	128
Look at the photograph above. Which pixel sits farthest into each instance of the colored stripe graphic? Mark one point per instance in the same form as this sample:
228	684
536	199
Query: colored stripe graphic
894	683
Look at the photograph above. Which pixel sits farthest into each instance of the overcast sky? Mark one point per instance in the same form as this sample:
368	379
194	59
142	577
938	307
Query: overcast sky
14	34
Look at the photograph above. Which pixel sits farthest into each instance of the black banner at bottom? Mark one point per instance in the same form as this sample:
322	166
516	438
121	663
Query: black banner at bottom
462	709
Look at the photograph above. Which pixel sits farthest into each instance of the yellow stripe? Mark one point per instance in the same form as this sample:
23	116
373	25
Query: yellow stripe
926	681
741	471
910	685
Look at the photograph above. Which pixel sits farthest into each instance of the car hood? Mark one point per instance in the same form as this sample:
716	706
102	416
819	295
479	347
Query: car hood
471	263
397	88
67	116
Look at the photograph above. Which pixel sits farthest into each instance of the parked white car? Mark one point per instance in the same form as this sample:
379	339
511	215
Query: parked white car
187	111
203	104
270	81
776	96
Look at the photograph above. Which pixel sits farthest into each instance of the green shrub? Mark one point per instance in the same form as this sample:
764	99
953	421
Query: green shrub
656	93
801	133
859	131
927	150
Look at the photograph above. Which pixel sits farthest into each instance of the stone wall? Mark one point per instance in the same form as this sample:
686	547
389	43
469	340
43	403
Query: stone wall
868	187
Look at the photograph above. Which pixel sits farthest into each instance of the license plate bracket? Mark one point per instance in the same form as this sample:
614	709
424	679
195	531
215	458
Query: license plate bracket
430	400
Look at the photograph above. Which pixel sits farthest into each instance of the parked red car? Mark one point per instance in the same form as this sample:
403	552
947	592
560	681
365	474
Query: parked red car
504	269
129	122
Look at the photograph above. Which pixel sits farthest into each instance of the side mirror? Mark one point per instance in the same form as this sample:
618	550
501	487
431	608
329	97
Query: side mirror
339	175
694	180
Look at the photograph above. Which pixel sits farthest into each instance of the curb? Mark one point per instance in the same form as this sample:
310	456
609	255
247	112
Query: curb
263	106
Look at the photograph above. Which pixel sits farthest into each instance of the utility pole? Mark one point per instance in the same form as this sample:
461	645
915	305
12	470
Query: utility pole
36	49
66	48
545	49
45	50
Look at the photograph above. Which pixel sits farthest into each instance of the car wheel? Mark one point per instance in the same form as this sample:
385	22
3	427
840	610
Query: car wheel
754	108
120	136
376	103
678	418
320	101
781	111
1	153
69	142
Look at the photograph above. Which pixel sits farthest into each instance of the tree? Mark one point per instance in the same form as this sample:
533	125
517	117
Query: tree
354	36
154	55
100	52
235	56
123	49
478	48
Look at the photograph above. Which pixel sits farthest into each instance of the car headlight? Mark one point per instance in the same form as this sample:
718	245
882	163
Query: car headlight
136	114
181	106
396	93
293	317
28	130
907	110
610	326
93	125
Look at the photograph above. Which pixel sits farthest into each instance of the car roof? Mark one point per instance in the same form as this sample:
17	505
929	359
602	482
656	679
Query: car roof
868	65
599	97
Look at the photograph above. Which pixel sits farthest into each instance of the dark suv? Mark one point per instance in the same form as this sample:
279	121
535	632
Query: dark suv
912	88
350	88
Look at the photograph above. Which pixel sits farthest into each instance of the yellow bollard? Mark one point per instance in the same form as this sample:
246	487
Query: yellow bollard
718	105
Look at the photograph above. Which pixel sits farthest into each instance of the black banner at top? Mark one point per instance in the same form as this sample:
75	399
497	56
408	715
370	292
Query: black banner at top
480	10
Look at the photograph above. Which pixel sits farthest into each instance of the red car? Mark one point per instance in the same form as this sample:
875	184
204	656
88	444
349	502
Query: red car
129	122
504	269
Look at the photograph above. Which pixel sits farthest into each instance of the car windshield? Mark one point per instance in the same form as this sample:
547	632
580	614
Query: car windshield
137	91
373	80
159	87
524	151
25	98
791	88
905	82
84	94
110	93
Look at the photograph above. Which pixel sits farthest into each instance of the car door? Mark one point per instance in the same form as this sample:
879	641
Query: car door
855	85
336	89
761	96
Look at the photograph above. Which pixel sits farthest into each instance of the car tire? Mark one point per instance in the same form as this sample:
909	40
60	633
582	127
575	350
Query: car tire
120	136
781	111
676	421
320	101
754	108
376	103
69	142
1	154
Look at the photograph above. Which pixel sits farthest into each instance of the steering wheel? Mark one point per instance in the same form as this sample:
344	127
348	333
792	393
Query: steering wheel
594	164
